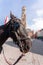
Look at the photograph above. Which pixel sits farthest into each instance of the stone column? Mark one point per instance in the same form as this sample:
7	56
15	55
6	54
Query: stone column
23	16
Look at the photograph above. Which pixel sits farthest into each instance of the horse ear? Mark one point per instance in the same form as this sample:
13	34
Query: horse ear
11	15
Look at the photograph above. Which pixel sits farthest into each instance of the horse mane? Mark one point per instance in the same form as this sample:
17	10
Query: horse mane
4	25
13	17
3	33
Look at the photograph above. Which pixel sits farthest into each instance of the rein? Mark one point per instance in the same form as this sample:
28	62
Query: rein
20	39
9	63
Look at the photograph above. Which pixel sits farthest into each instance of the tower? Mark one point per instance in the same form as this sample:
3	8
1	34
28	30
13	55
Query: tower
23	16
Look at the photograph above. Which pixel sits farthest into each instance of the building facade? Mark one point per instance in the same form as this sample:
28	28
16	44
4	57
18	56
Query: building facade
23	16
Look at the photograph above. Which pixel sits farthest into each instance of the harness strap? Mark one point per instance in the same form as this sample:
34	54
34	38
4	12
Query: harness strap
6	59
20	38
19	58
9	63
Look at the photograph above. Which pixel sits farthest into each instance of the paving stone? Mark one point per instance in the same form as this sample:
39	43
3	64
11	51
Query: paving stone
12	52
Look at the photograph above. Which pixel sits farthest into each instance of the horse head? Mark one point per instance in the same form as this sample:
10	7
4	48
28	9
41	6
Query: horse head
20	34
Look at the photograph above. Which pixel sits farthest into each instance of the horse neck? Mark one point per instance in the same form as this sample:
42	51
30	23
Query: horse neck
4	35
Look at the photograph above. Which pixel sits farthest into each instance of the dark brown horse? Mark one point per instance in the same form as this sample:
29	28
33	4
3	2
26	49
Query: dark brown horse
3	34
6	32
17	32
23	41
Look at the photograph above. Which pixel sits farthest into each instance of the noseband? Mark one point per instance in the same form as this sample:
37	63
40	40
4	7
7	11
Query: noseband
19	56
19	41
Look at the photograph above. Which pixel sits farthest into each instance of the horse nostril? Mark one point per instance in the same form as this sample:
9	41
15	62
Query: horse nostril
20	49
1	49
27	47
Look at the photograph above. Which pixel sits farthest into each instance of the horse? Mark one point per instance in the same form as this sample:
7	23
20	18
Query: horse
5	33
17	32
23	41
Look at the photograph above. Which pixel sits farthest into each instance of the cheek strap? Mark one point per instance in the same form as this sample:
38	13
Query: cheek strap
9	63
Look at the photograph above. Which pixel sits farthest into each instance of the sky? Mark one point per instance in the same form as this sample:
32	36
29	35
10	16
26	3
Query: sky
34	12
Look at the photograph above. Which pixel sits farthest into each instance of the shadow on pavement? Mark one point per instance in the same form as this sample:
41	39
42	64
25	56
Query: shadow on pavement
11	43
37	47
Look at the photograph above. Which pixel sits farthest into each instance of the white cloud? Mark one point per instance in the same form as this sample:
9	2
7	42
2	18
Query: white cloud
38	4
38	21
39	12
38	24
27	26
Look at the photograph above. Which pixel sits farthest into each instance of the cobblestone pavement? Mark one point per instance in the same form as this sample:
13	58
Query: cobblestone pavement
12	52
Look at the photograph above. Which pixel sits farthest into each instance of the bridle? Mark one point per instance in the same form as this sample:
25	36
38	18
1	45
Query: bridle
19	41
23	54
15	61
